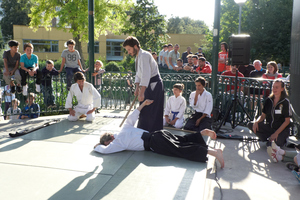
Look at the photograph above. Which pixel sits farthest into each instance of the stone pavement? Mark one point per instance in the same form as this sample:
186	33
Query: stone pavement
58	162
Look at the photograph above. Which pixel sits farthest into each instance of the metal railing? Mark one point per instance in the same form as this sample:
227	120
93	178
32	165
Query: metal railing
117	95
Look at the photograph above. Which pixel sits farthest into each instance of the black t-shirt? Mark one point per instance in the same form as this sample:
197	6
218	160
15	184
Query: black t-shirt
276	116
246	70
257	74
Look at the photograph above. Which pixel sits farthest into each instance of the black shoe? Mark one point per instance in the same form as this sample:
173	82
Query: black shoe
19	89
292	166
13	89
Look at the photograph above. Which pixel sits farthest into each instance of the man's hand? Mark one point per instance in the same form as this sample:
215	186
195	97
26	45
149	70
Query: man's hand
147	102
273	137
59	71
136	92
72	112
141	97
173	122
31	73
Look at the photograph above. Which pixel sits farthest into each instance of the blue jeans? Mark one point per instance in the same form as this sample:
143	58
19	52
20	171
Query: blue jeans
49	98
70	74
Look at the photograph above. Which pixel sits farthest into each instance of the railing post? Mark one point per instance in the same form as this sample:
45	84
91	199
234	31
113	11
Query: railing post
215	55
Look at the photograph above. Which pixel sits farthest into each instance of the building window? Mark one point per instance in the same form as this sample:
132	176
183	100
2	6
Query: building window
43	45
96	47
114	49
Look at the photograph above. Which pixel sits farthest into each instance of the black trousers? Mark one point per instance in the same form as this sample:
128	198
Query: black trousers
190	146
24	75
265	131
151	117
204	123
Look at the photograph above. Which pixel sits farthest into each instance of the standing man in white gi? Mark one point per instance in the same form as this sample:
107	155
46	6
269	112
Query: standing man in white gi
87	96
148	86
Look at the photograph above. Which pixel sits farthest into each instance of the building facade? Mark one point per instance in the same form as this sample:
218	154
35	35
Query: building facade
50	44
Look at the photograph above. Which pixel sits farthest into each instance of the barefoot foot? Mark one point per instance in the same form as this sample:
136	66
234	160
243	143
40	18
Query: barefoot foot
220	158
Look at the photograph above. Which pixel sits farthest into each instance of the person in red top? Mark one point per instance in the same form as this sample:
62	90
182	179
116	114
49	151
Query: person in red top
203	67
232	72
272	71
223	57
272	74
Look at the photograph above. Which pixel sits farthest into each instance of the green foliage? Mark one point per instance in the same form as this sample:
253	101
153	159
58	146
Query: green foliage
113	67
108	16
14	12
147	25
1	59
128	63
186	25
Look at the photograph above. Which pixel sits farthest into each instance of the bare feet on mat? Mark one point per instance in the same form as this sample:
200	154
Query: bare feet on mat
209	133
82	116
219	157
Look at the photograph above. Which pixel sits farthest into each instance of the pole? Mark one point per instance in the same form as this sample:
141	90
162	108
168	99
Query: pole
240	17
91	40
215	55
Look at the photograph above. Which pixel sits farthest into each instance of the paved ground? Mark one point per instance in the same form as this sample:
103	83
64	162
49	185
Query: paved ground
57	162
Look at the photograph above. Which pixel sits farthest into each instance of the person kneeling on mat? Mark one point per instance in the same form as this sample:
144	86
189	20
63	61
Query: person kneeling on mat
190	146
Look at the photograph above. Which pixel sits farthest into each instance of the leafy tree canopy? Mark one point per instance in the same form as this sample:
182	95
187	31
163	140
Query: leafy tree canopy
73	16
147	25
186	25
14	12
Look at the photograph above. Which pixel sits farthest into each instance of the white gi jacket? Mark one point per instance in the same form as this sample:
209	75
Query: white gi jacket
129	138
176	105
88	99
146	68
204	103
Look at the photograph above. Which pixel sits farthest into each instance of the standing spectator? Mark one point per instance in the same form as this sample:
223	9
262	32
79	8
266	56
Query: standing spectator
201	101
161	60
203	67
232	72
246	69
8	97
11	60
30	65
148	86
14	111
154	55
173	56
166	56
200	52
71	62
176	104
31	110
48	72
87	96
185	54
223	57
97	74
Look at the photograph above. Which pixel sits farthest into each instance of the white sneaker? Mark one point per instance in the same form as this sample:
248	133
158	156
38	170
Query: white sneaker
277	149
37	88
25	88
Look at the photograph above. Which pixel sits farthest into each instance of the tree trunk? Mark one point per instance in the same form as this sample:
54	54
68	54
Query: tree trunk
79	48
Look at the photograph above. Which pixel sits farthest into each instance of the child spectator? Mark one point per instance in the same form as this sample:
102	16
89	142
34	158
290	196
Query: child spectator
31	110
71	61
175	107
97	74
11	60
14	112
8	97
48	72
29	65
